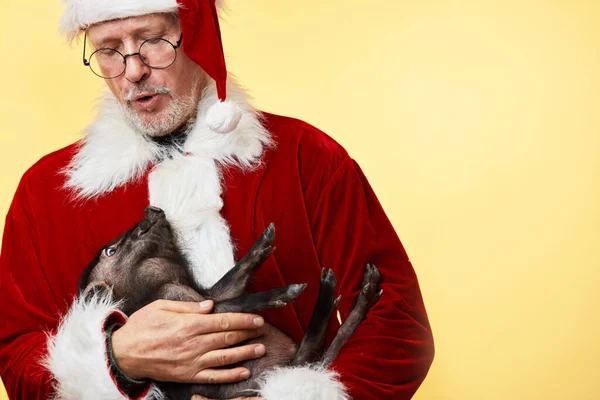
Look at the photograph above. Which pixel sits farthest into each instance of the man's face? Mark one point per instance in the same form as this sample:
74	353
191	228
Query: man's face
155	101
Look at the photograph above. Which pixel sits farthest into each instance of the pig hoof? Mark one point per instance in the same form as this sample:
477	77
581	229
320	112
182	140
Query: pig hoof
327	290
370	291
336	302
372	275
286	295
328	280
263	246
269	233
295	290
266	252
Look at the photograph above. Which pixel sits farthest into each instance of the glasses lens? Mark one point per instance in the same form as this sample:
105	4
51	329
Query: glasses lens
107	63
157	53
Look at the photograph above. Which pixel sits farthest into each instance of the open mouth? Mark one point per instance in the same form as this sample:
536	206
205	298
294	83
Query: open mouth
147	101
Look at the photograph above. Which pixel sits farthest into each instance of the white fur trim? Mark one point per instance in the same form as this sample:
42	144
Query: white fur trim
302	383
111	154
188	189
80	14
77	353
244	146
223	117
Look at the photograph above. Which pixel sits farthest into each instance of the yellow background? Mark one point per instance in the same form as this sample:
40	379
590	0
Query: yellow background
477	124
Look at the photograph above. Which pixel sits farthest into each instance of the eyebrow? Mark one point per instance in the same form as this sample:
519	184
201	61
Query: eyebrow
150	31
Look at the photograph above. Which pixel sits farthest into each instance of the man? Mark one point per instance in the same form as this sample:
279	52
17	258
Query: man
176	133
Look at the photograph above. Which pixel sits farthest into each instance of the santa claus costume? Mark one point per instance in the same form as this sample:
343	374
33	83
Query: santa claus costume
237	171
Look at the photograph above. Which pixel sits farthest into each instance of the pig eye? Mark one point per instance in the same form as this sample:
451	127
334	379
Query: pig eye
110	251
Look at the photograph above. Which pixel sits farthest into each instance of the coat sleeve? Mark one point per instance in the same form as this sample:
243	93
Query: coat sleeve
42	355
390	353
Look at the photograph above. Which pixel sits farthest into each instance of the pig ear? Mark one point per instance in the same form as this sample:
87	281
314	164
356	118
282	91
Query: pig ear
96	288
84	279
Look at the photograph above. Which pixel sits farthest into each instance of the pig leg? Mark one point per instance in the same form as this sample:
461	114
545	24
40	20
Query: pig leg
256	302
177	292
367	297
313	342
235	281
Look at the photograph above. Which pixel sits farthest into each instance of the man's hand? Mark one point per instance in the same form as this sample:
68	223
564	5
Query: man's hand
173	341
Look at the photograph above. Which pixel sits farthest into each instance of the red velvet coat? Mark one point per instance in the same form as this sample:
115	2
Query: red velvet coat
326	216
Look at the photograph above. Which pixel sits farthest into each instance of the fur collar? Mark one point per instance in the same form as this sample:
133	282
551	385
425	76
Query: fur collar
112	154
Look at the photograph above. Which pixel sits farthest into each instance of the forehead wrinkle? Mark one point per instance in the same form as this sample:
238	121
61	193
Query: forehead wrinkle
129	29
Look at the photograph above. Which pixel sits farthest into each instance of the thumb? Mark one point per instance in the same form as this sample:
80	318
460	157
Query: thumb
204	307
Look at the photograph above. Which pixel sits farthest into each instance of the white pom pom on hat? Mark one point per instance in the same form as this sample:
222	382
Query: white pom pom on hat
201	40
223	116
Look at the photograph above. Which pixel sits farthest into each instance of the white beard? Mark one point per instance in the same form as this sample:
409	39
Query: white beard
179	112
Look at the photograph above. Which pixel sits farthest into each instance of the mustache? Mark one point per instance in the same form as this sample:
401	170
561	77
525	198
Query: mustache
145	88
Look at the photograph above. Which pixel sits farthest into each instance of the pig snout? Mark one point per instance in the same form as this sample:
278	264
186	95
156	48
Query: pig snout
152	215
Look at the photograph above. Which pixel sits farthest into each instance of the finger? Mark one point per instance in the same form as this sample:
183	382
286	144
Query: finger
220	376
221	340
204	307
225	322
220	358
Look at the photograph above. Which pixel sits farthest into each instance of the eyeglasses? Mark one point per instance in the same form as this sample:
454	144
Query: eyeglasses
157	53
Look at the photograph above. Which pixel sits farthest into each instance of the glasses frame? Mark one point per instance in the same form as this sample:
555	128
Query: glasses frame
87	63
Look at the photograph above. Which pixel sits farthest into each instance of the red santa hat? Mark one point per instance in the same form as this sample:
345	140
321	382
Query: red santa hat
201	40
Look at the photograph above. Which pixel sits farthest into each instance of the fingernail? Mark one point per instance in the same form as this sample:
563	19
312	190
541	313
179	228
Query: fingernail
245	375
205	304
258	321
260	350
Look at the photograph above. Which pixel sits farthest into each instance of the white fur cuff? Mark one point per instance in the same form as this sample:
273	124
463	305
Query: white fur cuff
77	353
302	383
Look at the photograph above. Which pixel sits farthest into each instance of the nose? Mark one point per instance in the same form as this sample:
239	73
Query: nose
153	212
135	69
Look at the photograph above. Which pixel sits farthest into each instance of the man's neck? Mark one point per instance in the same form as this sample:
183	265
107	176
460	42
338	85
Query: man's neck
174	139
